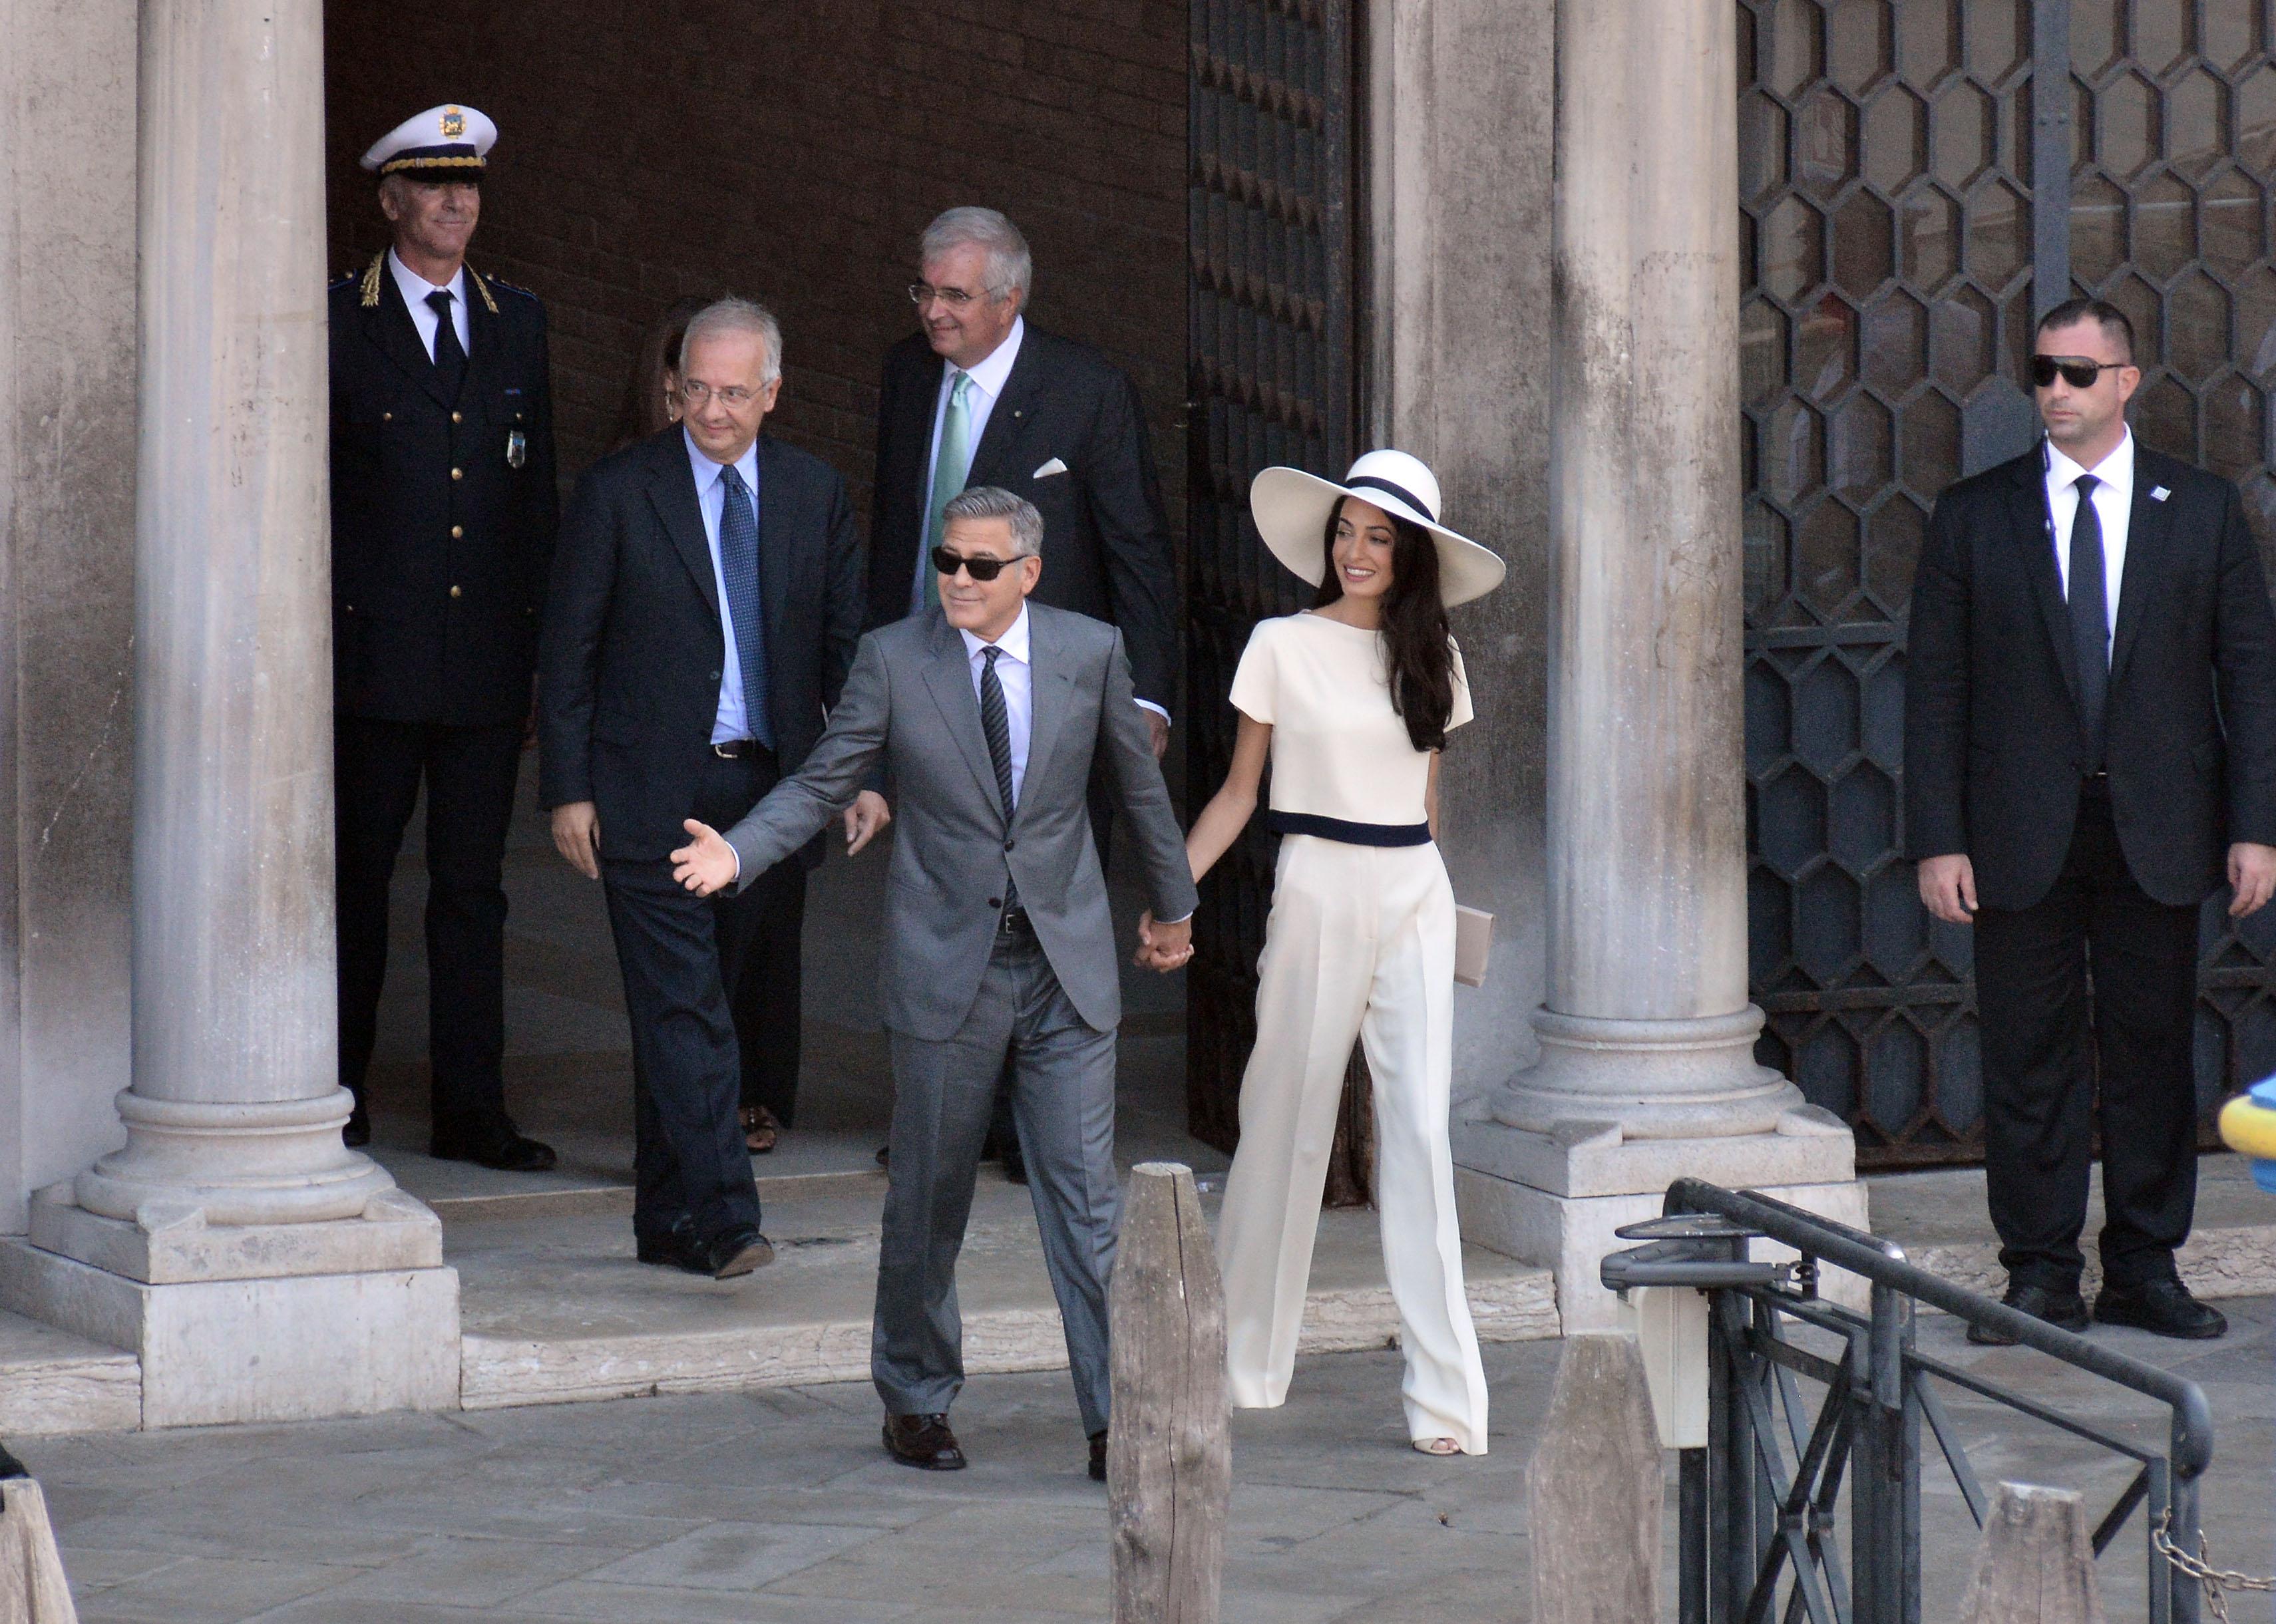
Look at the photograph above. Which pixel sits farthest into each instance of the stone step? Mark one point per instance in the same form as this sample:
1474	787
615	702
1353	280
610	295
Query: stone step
557	1310
52	1381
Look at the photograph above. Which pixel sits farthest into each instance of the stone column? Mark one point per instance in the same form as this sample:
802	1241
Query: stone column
1646	1068
262	1269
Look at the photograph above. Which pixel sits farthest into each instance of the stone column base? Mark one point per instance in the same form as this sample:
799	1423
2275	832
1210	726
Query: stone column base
283	1322
1555	1198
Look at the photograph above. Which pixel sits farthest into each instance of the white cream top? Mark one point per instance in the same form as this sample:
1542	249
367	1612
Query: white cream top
1339	750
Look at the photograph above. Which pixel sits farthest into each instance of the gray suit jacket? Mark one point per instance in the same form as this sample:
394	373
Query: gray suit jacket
909	707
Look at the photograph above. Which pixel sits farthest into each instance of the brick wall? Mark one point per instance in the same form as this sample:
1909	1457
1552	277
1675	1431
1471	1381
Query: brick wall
791	150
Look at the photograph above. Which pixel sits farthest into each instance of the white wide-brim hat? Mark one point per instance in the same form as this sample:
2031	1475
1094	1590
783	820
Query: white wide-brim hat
1291	507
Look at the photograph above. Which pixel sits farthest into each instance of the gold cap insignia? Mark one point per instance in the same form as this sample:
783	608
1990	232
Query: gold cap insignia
454	124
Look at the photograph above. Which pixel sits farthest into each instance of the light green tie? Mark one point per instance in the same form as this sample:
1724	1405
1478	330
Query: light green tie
948	468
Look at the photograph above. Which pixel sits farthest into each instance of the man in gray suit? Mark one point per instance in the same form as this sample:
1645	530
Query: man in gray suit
988	715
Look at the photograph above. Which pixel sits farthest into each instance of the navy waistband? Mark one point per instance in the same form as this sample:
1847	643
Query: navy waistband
1350	833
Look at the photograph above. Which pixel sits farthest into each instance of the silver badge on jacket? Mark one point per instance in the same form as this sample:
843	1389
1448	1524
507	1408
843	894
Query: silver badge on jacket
517	449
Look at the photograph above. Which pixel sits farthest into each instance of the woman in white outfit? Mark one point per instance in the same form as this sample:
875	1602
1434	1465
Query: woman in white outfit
1352	699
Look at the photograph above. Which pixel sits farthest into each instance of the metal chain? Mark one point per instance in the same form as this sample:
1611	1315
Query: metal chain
2216	1581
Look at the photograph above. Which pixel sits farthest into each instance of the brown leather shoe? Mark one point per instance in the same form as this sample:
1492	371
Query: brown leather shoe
1098	1456
924	1442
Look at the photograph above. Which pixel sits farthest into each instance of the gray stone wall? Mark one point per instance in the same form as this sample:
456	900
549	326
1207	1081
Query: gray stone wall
1461	138
67	450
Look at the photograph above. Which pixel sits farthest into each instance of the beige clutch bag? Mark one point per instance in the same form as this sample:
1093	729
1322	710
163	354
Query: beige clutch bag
1473	941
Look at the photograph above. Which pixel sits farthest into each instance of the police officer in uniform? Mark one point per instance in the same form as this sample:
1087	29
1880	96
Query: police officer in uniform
444	509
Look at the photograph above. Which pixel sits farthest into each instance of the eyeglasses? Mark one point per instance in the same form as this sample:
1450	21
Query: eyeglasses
734	397
981	569
921	294
2075	370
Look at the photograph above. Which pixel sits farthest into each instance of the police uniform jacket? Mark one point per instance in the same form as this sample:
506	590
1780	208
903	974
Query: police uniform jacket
444	509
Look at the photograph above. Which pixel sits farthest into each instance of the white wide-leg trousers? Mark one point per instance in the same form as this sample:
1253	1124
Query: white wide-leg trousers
1360	944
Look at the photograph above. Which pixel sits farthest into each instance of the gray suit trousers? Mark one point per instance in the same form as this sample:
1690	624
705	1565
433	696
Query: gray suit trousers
1063	1101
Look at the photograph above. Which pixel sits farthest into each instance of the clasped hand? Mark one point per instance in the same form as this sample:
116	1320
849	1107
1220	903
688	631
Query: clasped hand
1163	947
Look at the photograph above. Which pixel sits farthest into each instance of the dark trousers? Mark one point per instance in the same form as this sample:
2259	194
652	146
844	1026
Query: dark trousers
2040	1105
765	992
469	775
679	953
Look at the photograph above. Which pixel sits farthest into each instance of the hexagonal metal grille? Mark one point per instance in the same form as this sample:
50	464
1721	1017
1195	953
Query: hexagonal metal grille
1269	381
1918	180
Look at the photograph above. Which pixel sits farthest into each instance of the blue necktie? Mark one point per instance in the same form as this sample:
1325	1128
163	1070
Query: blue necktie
739	561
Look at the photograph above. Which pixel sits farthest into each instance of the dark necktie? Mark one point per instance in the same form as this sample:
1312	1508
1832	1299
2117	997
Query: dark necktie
2090	620
739	563
450	358
996	723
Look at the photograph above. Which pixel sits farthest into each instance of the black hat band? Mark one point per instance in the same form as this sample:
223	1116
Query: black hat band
1369	482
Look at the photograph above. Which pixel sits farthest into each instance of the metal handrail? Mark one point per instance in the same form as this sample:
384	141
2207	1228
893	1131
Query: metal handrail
1883	1262
1747	1520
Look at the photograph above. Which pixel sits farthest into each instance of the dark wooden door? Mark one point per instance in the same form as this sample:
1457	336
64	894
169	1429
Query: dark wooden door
1269	380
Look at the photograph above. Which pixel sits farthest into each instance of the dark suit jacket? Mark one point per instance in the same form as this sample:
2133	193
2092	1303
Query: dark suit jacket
437	581
1106	538
634	655
1994	751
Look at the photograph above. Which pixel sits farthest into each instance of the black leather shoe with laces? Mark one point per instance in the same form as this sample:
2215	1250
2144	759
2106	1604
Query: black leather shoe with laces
924	1442
2161	1307
2065	1310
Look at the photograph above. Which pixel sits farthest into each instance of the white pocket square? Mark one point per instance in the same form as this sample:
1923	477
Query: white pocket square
1049	468
2160	493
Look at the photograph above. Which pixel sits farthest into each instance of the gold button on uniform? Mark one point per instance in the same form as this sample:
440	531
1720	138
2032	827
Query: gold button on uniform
387	417
457	531
458	474
454	591
455	418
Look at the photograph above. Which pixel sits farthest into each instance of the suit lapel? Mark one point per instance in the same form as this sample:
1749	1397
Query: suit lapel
949	675
2034	532
1050	689
774	533
671	487
1006	417
392	334
2148	532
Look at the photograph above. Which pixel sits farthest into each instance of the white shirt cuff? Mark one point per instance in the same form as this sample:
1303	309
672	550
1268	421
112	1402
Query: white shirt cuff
1149	705
1180	919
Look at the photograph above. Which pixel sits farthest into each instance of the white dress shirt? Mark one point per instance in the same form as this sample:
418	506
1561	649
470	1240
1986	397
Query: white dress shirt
988	380
1017	678
731	722
2114	505
415	288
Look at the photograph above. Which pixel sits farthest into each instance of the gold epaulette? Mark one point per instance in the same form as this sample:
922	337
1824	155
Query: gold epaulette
371	280
482	288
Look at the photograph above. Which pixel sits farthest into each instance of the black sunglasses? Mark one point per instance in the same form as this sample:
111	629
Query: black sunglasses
2075	370
982	569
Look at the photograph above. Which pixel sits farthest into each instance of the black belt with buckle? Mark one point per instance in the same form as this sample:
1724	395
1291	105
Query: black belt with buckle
740	749
1015	922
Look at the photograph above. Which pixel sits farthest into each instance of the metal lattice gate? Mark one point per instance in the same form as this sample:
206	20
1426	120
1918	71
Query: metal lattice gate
1269	381
1918	178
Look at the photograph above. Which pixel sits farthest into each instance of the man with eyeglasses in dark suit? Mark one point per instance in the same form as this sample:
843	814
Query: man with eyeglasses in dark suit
2090	754
979	395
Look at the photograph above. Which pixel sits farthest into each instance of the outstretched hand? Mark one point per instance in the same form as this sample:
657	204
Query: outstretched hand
1163	947
863	820
706	864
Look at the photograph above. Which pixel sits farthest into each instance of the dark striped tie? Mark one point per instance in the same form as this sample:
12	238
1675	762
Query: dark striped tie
996	723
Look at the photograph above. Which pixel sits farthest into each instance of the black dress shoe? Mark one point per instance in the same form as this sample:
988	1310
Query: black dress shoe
924	1442
1015	1163
2064	1310
738	1251
1098	1456
2161	1307
675	1247
512	1153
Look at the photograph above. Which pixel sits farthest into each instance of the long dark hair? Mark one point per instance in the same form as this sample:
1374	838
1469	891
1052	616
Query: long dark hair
1419	648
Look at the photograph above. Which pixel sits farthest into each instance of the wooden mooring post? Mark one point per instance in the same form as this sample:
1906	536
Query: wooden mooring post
2035	1563
1168	1461
1593	1490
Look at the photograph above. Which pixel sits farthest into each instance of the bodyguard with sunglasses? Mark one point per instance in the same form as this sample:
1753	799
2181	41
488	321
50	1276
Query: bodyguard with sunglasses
2090	754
